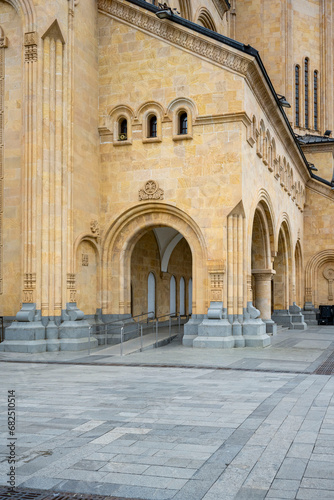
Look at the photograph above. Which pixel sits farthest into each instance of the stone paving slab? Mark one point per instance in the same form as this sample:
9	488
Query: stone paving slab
173	432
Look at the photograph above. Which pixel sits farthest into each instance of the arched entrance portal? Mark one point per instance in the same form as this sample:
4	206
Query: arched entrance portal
161	265
119	248
262	272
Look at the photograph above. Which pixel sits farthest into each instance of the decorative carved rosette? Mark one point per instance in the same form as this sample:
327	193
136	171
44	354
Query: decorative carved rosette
151	191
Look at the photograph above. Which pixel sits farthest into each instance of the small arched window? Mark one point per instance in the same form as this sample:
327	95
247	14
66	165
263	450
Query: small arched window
153	126
315	99
297	98
306	85
123	129
182	297
183	124
172	296
151	295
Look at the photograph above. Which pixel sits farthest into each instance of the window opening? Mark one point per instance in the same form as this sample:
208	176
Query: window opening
123	130
297	95
183	123
153	126
306	93
315	97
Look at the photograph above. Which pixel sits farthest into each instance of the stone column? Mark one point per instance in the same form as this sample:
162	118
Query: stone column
263	279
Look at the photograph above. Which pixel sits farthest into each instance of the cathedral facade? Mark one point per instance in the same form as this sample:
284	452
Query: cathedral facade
161	158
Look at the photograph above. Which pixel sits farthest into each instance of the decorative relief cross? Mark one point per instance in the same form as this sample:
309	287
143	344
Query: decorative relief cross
328	273
151	191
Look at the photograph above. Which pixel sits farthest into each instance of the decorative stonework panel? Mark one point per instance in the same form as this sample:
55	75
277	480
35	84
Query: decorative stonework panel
151	191
328	274
85	259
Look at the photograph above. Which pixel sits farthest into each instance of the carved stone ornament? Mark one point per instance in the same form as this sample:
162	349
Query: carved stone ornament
95	227
175	35
30	44
328	274
85	259
151	191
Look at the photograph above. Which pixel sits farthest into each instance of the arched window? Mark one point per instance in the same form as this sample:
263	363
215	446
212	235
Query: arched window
172	296
306	85
315	99
123	129
182	297
151	295
190	296
297	92
153	126
183	124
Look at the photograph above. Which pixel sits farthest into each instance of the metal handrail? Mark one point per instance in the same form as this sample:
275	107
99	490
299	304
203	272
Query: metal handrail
139	327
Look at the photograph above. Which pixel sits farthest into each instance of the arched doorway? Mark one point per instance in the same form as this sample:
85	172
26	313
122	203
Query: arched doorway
164	255
262	272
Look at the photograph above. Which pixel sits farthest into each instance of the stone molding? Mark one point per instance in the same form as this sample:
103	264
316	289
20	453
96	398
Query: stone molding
228	57
263	274
222	7
322	189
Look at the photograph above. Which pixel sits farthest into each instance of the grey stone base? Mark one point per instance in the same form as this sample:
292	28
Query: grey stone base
214	342
310	317
33	337
214	333
271	326
282	317
254	333
190	329
28	346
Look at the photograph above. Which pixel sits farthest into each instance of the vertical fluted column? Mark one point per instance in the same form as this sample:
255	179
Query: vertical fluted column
230	268
29	190
53	201
45	177
3	45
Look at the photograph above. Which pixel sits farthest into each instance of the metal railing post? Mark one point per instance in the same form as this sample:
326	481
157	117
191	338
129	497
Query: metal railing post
156	332
170	326
179	323
106	335
89	340
141	337
122	331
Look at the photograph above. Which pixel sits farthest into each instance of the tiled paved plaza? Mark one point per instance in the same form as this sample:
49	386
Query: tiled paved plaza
154	432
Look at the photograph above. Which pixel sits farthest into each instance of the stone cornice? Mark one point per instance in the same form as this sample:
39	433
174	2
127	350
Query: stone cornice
220	55
182	37
321	189
327	147
222	6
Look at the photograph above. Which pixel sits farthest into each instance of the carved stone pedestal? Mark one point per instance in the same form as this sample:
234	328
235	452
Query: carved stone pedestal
216	330
191	329
263	279
254	329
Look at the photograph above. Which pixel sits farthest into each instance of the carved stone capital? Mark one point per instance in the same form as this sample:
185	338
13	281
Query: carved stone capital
263	274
